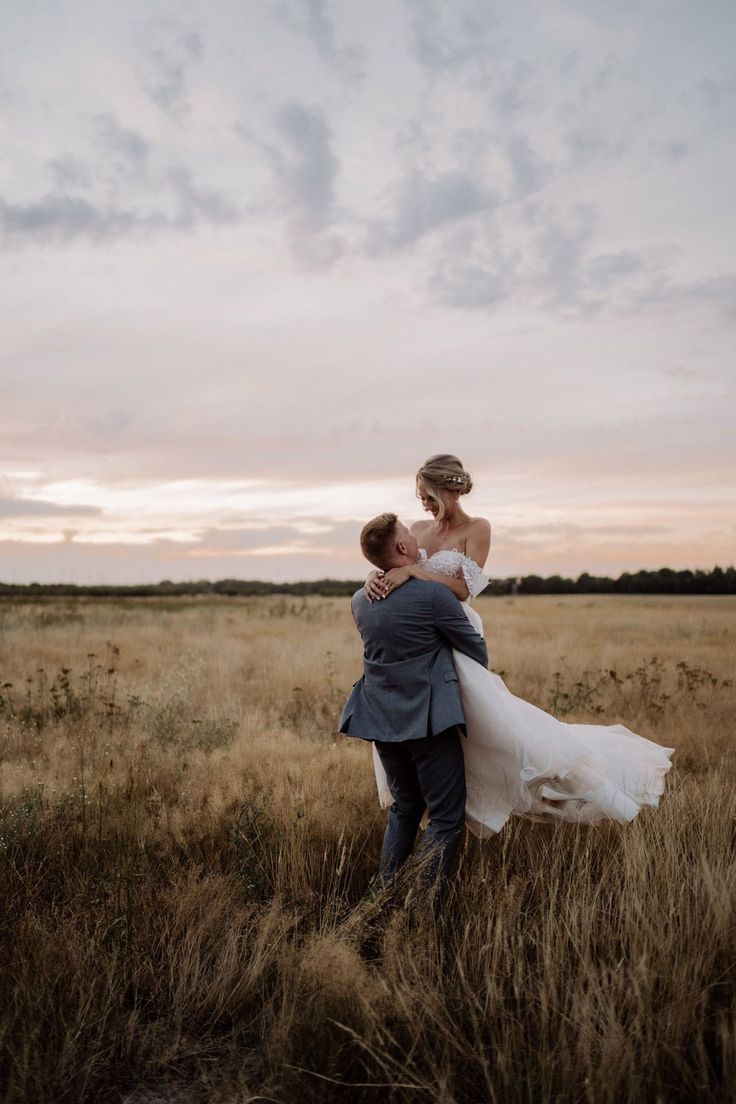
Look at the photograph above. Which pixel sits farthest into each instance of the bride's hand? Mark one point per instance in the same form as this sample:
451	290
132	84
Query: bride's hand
395	577
373	587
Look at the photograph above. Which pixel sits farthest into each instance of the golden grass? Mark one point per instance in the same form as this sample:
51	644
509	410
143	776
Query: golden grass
186	846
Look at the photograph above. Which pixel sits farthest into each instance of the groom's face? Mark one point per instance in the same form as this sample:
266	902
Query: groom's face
406	538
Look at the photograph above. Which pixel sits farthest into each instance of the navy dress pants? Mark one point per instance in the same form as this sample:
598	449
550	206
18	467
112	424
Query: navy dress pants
427	773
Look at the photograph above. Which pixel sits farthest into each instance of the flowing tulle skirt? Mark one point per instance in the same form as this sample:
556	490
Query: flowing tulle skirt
521	760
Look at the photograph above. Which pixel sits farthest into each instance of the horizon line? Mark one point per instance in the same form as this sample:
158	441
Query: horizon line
348	579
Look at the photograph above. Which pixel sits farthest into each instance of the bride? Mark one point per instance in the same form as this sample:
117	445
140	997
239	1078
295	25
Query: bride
518	759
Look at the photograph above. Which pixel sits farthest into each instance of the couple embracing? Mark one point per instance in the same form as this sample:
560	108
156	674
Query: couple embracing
449	739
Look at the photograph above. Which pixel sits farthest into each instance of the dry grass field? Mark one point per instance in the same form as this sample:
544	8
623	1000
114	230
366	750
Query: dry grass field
186	846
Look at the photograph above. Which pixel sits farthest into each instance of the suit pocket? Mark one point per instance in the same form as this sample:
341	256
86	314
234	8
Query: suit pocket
451	676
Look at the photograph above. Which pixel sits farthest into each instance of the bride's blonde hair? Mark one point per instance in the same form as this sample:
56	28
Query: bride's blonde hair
443	472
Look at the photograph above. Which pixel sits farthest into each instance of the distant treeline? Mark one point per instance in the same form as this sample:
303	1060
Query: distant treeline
663	581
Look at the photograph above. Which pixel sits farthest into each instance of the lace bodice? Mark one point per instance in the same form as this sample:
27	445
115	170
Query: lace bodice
450	561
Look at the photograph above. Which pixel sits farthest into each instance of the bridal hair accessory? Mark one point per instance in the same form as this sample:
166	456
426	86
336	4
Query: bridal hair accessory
443	472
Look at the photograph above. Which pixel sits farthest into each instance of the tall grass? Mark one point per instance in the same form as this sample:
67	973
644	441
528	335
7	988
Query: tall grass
187	846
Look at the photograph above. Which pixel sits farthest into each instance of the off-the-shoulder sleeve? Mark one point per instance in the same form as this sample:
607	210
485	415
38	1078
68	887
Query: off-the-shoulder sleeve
475	577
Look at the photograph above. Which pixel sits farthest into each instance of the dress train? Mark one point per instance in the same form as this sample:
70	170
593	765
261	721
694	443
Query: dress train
521	760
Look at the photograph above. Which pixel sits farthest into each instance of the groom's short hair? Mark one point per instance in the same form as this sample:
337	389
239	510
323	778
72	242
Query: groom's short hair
377	537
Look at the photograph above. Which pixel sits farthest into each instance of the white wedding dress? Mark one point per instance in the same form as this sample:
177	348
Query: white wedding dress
519	759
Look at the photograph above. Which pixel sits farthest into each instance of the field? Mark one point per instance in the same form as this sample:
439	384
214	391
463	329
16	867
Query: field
186	847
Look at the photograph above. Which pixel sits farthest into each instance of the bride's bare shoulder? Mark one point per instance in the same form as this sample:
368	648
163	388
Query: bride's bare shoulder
478	540
479	525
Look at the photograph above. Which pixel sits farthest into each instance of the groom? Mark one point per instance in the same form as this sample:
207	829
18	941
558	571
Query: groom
408	701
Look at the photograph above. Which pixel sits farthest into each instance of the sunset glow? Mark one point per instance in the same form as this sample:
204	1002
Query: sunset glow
260	261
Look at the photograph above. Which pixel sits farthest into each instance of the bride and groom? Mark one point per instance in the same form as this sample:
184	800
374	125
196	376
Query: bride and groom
448	736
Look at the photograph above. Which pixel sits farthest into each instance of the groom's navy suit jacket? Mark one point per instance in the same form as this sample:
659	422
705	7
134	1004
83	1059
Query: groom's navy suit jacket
409	687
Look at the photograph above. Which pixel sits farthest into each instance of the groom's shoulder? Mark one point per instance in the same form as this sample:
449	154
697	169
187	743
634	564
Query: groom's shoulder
359	599
414	592
418	586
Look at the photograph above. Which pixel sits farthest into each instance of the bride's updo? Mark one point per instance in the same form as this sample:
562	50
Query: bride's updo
443	472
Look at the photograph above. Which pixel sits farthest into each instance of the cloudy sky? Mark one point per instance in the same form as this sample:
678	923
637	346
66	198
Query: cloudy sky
260	258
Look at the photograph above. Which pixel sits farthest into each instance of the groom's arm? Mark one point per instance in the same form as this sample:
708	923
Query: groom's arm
453	624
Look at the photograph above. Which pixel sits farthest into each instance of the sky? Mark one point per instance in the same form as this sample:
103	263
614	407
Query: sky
260	258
